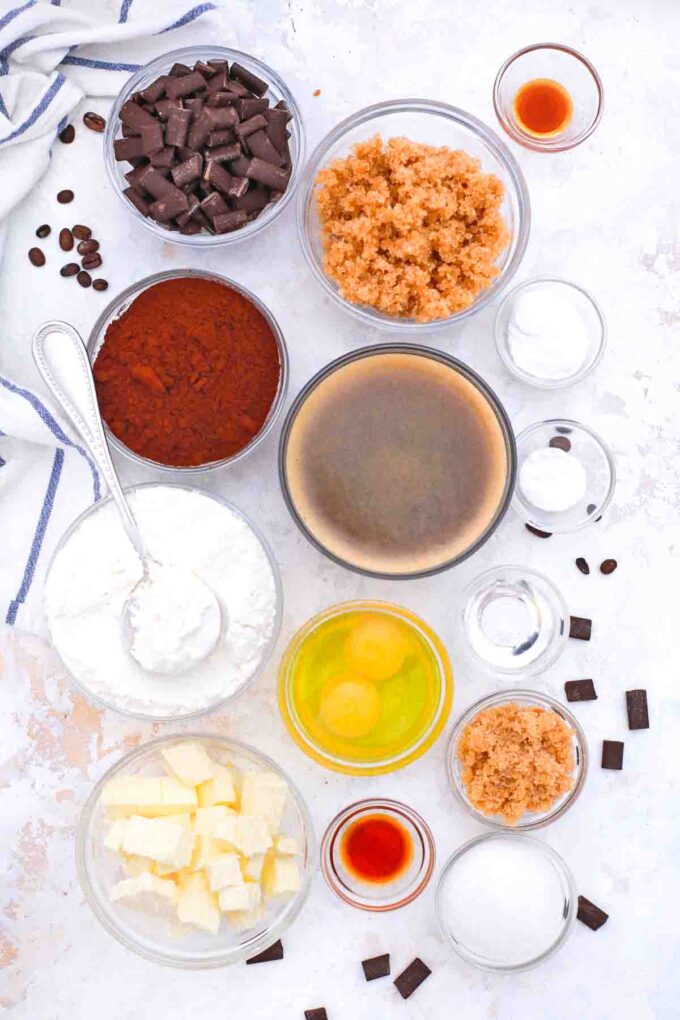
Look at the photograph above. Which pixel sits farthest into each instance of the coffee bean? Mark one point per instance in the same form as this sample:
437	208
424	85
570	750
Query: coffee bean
84	279
81	232
91	261
560	443
582	565
37	256
68	134
101	284
70	269
65	196
538	532
94	122
65	239
608	566
44	230
87	247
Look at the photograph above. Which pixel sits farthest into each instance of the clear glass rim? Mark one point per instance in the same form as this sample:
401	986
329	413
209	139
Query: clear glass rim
530	141
389	807
533	380
116	307
101	702
421	351
500	151
439	715
555	859
236	954
541	701
521	509
159	65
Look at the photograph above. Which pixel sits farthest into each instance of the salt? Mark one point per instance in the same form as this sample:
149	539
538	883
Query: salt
547	335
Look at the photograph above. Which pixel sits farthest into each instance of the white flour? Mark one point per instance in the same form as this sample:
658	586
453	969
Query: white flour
94	573
547	335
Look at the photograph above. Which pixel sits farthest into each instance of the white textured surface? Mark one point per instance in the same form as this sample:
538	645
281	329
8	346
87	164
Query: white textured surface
605	215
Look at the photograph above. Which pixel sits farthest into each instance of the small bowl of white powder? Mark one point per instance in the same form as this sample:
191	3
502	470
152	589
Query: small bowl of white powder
95	569
550	333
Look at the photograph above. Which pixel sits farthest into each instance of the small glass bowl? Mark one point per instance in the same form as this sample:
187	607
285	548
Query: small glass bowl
433	123
592	316
526	646
531	699
267	651
151	935
189	55
567	67
509	964
597	461
120	305
378	896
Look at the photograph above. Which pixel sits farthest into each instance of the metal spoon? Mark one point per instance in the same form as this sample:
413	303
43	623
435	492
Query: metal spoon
63	362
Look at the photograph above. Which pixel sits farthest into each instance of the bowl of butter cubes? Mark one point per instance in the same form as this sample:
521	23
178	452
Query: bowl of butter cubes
195	851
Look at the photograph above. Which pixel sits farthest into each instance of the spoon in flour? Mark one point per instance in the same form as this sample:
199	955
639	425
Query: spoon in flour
172	618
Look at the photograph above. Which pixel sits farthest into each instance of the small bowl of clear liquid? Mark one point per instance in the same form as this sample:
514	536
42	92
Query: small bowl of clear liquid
515	620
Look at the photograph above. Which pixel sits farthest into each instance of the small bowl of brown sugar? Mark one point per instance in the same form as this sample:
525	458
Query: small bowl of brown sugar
517	760
413	215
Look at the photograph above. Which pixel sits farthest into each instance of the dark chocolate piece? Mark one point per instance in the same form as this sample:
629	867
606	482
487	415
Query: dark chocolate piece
376	967
253	199
273	176
154	182
37	257
213	205
538	532
247	127
164	158
128	148
155	91
238	187
638	713
190	170
218	83
169	206
248	107
224	153
582	565
66	241
226	222
186	85
560	443
276	128
94	122
612	754
183	219
68	134
201	126
262	148
216	175
316	1014
152	137
190	227
44	231
219	65
608	566
164	107
412	978
580	690
590	915
222	117
65	196
273	952
216	99
135	116
177	127
140	204
240	166
247	78
580	628
205	69
179	70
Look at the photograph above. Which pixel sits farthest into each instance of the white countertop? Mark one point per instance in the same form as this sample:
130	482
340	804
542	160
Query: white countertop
605	215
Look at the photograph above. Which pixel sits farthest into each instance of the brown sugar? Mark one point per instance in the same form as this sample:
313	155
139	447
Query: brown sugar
410	229
516	758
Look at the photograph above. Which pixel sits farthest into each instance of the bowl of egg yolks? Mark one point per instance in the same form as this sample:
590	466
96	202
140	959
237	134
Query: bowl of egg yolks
365	687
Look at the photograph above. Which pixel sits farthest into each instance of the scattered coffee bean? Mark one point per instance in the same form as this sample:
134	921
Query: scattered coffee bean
65	239
274	952
590	509
560	443
612	754
376	967
100	284
87	247
582	565
638	713
590	915
580	690
563	429
94	122
68	134
608	566
82	232
316	1014
44	231
70	269
538	532
92	261
37	256
84	279
65	196
412	978
580	628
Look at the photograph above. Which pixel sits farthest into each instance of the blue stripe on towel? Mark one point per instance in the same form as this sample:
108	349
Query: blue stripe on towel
38	110
191	15
124	11
38	537
11	15
105	65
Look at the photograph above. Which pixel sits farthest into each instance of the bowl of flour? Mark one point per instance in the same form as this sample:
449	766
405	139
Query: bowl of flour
95	568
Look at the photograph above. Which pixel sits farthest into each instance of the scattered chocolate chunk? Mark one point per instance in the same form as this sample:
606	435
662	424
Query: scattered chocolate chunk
44	231
87	246
66	241
68	134
100	284
274	952
612	754
94	122
82	232
580	628
37	256
638	713
316	1014
92	261
65	196
70	269
560	443
412	978
590	915
376	967
582	565
608	566
580	690
84	278
538	532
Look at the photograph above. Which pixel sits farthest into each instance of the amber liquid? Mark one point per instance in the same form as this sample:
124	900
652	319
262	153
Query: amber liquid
543	107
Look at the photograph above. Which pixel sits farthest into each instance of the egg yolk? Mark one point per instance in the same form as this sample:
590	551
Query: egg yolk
376	649
349	706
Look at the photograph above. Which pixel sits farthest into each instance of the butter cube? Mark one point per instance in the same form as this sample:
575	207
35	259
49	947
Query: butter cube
241	897
197	905
244	918
189	762
252	867
218	790
177	797
252	835
208	819
135	866
225	830
224	870
151	796
145	892
281	875
205	848
264	794
166	840
287	846
113	840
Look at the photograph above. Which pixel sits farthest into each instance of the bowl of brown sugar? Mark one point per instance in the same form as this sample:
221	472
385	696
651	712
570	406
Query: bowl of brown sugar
413	214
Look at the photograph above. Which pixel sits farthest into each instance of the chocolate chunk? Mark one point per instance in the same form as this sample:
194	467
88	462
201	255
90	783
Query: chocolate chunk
170	205
238	187
65	196
224	153
222	117
580	628
560	443
612	754
582	565
128	148
177	127
100	284
94	122
214	205
44	231
316	1014
240	166
84	278
262	148
92	261
70	269
205	69
376	967
155	91
140	204
247	78
154	182
135	116
590	915
37	257
237	88
273	176
186	85
636	706
152	137
190	227
164	107
68	134
276	128
253	199
580	690
194	205
66	241
248	107
179	70
273	952
201	126
218	82
538	532
216	175
188	171
219	65
412	978
216	99
247	127
165	158
87	247
84	233
226	222
608	566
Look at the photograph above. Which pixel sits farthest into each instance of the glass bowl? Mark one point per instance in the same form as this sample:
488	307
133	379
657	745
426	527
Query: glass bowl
433	123
597	461
506	959
122	302
568	68
371	352
151	935
189	55
210	706
378	896
591	313
531	699
367	761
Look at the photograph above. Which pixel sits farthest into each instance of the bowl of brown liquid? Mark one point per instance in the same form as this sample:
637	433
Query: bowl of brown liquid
397	461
